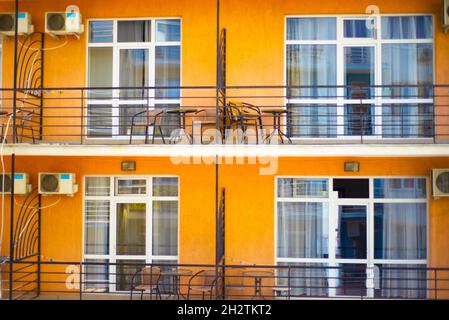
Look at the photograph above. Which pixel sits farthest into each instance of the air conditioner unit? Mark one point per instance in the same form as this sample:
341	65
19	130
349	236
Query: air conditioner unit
440	182
63	23
8	24
21	183
57	183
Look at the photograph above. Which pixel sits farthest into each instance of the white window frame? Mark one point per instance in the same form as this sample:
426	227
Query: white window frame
333	203
113	199
341	101
116	46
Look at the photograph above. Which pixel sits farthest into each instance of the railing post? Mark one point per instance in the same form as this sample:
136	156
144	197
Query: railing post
16	39
82	116
436	283
81	281
11	231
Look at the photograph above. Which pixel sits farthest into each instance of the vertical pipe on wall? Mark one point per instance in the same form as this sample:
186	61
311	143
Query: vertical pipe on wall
11	230
39	226
217	124
16	40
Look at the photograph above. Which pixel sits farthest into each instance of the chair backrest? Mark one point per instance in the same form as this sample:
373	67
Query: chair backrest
155	116
150	276
234	111
207	277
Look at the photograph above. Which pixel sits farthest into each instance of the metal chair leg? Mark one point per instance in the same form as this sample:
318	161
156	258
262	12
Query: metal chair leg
131	134
146	134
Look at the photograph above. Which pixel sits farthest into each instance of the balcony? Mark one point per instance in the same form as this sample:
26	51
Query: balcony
243	115
92	280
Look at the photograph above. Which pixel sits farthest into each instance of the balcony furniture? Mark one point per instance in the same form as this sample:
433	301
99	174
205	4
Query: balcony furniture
277	127
25	121
148	118
258	276
244	115
200	121
206	283
182	112
176	275
149	281
237	282
4	114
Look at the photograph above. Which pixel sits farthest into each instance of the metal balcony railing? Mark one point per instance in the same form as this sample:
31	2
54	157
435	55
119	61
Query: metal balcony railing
169	280
232	114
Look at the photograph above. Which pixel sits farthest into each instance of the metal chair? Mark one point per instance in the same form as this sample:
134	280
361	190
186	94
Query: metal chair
25	121
207	282
149	281
243	115
202	119
151	118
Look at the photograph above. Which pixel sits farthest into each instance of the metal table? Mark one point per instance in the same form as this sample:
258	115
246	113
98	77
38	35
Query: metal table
258	276
277	130
176	275
182	112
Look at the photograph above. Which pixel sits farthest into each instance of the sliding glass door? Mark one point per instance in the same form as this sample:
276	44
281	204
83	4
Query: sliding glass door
353	237
140	54
392	54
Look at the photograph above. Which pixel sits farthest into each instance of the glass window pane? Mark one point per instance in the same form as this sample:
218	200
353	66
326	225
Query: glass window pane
127	113
302	188
134	31
99	120
306	279
407	27
302	230
407	120
359	72
96	227
96	275
168	71
312	120
131	186
134	73
125	272
400	281
350	280
98	186
359	119
400	231
351	232
410	188
101	31
312	65
311	29
407	65
165	187
168	30
100	72
131	229
165	228
359	29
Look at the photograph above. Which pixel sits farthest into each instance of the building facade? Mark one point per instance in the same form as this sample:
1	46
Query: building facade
336	202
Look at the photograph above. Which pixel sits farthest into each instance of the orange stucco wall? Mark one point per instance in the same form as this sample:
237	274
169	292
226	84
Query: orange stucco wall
255	50
250	203
254	57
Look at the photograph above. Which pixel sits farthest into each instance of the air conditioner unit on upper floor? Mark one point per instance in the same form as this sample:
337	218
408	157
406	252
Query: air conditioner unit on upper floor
440	183
57	183
21	183
8	24
63	23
